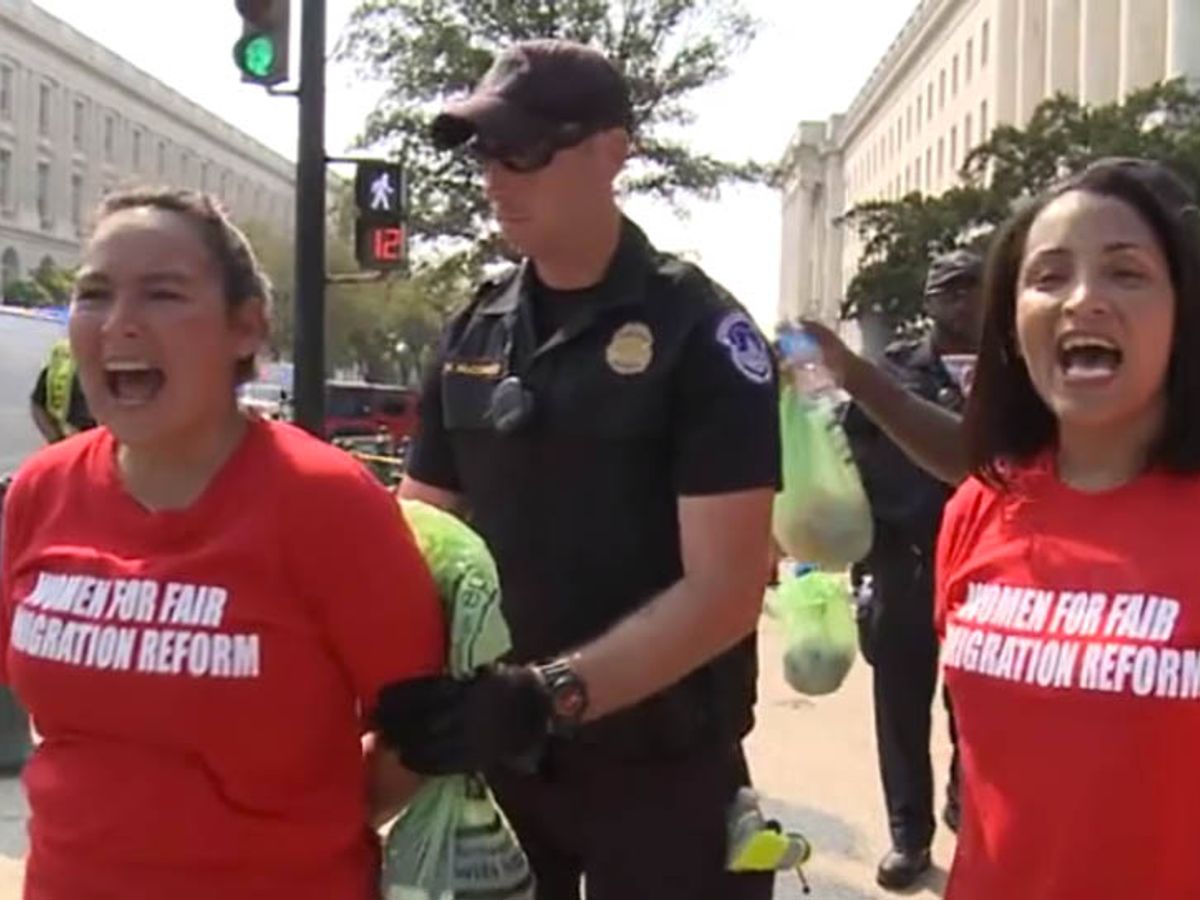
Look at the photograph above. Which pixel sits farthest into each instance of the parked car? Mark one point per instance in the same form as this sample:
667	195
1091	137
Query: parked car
354	409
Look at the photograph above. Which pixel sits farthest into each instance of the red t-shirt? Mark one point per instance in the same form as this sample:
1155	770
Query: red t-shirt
1071	647
198	676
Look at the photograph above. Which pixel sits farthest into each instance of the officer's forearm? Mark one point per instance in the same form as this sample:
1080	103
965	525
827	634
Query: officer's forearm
714	606
930	435
675	634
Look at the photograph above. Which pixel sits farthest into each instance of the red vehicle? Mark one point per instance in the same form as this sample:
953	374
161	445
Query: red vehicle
359	409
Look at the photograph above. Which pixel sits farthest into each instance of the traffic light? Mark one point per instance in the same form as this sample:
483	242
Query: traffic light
380	236
262	51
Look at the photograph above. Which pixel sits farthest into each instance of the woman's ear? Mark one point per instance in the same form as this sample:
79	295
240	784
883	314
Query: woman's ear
249	323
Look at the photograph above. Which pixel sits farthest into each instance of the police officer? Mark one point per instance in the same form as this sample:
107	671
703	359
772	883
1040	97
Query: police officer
607	416
57	404
897	622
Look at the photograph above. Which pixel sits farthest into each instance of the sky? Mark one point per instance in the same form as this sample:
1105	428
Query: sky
809	61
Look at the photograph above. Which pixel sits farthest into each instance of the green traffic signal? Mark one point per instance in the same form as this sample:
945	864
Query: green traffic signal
255	55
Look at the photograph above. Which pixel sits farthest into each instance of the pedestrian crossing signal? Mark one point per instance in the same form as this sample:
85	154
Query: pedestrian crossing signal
379	191
381	247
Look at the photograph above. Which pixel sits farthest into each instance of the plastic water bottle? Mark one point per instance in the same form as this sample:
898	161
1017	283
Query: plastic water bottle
802	355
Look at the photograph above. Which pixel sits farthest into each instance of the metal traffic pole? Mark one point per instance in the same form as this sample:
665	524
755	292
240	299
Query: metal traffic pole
308	353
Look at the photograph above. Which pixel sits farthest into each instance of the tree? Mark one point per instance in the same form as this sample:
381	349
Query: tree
48	286
365	322
1063	136
427	51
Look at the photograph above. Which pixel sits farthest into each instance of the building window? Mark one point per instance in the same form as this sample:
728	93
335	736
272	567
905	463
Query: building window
10	269
970	59
983	121
137	149
967	134
929	167
917	174
954	148
8	77
77	112
43	110
43	193
5	179
908	122
954	77
929	103
942	90
77	202
110	127
920	118
162	158
941	158
983	44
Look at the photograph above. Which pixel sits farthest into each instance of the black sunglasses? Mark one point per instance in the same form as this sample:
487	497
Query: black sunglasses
527	158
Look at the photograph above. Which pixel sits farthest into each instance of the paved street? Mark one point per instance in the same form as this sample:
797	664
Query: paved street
814	759
24	343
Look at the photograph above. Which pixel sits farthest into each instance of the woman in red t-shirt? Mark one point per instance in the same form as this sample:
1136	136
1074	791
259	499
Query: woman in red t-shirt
1068	596
198	606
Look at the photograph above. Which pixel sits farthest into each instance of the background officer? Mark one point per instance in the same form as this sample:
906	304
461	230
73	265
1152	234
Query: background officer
897	630
57	404
607	417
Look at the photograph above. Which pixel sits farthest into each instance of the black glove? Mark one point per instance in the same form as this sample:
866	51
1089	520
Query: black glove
443	725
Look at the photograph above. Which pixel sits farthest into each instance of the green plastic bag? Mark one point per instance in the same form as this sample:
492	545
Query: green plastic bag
822	515
818	624
452	841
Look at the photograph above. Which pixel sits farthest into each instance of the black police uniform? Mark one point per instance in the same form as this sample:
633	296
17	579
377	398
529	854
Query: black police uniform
896	629
616	401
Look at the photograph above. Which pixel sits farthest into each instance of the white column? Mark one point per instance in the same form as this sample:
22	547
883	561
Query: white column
1100	47
1143	44
1005	62
1183	39
796	249
1031	58
1062	41
835	206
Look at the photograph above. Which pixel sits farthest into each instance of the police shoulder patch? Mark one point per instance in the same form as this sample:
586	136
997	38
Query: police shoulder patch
747	348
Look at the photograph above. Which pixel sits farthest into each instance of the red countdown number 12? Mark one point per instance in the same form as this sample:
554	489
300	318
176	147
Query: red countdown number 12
388	243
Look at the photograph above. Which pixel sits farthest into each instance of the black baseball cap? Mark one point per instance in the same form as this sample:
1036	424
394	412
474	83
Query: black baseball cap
958	268
535	92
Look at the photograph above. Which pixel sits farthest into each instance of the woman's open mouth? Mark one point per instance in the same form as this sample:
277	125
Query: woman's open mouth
133	383
1088	359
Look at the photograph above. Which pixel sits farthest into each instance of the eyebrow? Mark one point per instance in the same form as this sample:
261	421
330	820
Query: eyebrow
1113	247
173	276
169	276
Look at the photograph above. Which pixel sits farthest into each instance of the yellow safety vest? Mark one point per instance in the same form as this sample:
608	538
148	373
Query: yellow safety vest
60	375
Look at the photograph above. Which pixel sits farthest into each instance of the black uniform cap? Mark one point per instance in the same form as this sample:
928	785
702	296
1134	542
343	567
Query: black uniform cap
532	91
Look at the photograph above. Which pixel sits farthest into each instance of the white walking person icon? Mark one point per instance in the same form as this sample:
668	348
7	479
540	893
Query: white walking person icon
382	191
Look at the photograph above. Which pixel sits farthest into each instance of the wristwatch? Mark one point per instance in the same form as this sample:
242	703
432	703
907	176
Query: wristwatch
568	696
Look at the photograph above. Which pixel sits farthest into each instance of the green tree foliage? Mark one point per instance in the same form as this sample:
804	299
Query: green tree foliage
47	286
428	51
1063	136
365	322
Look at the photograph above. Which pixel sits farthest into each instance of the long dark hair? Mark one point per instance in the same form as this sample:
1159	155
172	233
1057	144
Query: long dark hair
1006	421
